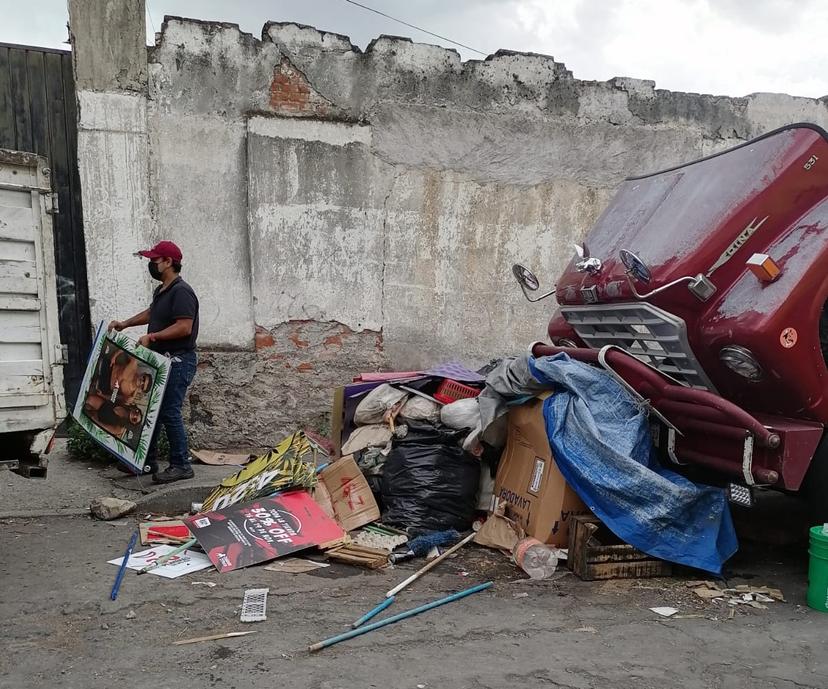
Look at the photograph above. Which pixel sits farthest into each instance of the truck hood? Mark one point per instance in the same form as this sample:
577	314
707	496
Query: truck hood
707	217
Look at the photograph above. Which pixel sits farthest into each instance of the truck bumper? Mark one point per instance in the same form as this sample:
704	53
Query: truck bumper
703	429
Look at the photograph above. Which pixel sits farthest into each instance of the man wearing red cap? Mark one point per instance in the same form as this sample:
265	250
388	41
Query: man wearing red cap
172	321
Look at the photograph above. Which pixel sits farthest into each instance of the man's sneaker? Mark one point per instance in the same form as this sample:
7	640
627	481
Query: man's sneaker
173	473
146	471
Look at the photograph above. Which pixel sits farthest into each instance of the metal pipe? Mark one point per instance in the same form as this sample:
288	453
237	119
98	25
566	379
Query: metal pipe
737	414
658	290
762	475
373	612
717	429
687	410
396	618
622	361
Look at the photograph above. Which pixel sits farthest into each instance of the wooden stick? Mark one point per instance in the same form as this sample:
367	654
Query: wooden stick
212	637
396	618
165	558
358	559
352	558
436	561
352	547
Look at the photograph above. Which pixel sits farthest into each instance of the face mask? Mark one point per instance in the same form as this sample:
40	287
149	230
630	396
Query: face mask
154	271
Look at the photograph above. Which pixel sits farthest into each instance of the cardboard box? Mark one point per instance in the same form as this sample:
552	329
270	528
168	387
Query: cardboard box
344	494
537	496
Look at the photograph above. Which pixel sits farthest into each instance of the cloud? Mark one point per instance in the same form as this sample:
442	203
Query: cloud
727	47
769	15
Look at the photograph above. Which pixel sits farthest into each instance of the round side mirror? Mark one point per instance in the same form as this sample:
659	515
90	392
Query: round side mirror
525	277
635	266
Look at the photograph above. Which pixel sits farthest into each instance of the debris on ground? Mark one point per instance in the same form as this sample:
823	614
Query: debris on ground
538	496
498	531
345	496
753	596
254	606
183	563
360	555
291	464
664	611
396	618
597	553
212	637
170	531
261	530
215	458
425	545
538	560
294	565
423	464
108	509
380	536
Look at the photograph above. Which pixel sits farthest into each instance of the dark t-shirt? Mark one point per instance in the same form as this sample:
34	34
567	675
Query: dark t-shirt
177	301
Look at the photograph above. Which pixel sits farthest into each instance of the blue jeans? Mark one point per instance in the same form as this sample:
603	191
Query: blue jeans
182	372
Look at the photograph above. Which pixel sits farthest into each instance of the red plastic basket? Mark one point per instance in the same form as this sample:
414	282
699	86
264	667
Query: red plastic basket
450	391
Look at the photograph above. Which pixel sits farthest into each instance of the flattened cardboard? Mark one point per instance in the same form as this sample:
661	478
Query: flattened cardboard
343	493
537	496
221	458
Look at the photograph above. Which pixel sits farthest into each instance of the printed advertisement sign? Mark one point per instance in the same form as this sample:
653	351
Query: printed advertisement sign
121	394
291	464
262	530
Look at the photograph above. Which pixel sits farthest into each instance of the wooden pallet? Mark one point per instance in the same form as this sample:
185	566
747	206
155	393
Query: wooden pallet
361	555
596	553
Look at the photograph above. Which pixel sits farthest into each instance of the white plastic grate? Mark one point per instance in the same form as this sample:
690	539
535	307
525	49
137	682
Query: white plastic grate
254	606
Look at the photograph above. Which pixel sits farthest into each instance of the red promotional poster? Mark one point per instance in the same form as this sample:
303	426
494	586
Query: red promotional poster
263	529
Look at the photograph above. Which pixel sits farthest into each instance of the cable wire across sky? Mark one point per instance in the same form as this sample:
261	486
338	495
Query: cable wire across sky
417	28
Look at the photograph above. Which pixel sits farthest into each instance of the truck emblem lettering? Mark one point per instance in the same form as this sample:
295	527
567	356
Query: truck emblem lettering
738	243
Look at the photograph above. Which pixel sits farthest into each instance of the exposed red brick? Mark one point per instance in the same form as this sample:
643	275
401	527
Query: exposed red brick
297	341
333	340
304	367
291	92
263	338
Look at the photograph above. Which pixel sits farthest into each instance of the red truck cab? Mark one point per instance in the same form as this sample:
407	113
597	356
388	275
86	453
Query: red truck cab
703	288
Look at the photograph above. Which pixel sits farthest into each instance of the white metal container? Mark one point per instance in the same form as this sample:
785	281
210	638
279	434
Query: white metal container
31	356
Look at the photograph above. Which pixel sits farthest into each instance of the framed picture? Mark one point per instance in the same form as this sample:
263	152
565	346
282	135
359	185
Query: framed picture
121	394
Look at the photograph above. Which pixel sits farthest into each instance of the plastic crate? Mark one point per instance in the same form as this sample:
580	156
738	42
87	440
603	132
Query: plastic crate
450	391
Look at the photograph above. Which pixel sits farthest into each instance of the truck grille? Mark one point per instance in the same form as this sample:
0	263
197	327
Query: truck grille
654	336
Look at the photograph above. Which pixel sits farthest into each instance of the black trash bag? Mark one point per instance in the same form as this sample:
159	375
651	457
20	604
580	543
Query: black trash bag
429	482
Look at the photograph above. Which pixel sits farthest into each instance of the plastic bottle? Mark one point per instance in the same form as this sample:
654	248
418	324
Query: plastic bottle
536	559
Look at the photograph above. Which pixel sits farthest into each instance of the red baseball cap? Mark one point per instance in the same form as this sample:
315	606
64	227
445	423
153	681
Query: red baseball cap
163	249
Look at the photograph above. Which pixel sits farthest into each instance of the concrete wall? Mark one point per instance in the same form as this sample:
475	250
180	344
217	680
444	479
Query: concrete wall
342	211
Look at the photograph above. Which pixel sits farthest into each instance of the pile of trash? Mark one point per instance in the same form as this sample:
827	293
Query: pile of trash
542	459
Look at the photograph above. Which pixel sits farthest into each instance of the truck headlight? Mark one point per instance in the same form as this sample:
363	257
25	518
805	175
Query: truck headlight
741	360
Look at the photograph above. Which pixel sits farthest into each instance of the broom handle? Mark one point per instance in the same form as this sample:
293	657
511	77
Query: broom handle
436	561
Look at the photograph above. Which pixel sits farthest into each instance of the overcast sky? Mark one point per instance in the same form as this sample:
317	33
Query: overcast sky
729	47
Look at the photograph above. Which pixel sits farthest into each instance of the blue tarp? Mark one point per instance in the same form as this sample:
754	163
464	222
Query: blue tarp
602	444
